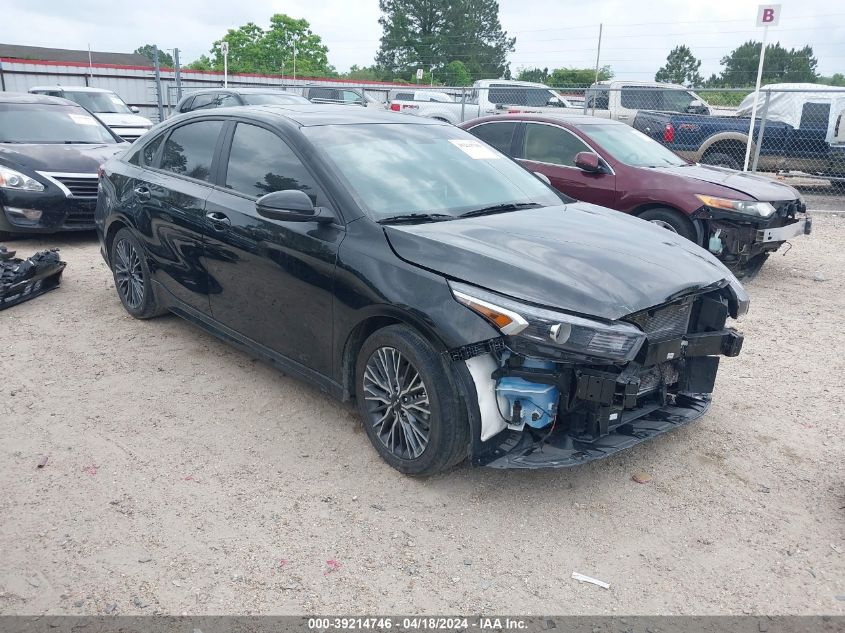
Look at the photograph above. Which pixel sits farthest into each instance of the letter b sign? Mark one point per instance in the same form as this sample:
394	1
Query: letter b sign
768	15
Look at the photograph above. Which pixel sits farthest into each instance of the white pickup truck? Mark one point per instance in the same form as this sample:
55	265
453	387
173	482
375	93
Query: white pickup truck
621	100
487	96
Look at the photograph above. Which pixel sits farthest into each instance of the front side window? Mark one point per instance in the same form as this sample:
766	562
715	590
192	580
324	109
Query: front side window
260	162
676	100
416	168
350	96
551	144
190	148
42	123
598	99
499	135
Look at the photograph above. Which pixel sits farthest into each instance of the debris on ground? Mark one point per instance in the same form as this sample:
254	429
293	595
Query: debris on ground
43	461
333	565
23	279
594	581
641	477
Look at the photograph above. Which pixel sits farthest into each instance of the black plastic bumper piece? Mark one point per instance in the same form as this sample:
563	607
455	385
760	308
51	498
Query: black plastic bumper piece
21	280
513	449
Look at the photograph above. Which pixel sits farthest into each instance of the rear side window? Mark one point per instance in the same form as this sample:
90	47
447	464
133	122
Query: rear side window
641	98
203	101
190	148
499	135
260	162
323	93
146	155
225	100
551	144
815	115
404	96
598	99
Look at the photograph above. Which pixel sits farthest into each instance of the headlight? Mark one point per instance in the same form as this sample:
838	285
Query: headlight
11	179
610	341
746	207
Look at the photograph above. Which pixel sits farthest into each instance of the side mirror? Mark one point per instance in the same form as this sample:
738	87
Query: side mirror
134	109
589	162
554	102
543	177
697	106
290	205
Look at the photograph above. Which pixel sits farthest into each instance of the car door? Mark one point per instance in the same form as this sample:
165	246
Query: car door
273	279
551	149
171	194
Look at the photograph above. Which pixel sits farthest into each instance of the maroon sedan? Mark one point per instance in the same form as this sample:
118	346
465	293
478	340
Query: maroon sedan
738	216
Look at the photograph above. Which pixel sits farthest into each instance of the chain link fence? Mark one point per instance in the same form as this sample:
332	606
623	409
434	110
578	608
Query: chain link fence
798	134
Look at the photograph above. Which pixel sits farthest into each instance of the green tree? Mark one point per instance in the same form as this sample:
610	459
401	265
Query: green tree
579	77
425	33
255	50
780	65
537	75
836	79
456	74
681	68
164	58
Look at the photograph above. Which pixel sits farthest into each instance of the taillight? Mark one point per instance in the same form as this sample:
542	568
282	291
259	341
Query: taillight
669	133
395	107
101	170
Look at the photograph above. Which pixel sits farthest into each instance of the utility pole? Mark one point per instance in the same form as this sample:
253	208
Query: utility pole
294	60
158	84
598	54
224	48
178	75
2	78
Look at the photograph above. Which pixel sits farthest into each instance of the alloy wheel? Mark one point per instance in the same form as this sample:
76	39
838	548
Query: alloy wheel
397	403
129	274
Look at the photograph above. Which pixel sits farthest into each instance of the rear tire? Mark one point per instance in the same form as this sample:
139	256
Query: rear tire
411	409
671	220
721	159
132	278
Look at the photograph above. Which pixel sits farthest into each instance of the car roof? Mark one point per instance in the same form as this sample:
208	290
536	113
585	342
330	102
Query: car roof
576	120
71	89
483	83
310	115
236	90
26	97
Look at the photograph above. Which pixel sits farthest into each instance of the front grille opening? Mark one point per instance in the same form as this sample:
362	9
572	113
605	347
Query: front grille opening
81	186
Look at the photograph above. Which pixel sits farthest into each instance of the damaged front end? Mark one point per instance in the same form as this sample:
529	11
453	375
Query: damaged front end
24	279
743	240
558	390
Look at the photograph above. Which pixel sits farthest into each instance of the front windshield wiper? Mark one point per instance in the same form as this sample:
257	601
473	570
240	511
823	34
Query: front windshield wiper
500	208
414	218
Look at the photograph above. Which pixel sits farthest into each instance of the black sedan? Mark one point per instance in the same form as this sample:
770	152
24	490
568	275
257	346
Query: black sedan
469	309
229	97
50	150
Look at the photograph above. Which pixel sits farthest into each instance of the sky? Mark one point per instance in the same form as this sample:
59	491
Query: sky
637	34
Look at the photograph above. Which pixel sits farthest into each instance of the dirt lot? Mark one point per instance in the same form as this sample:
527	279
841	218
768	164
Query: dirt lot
185	477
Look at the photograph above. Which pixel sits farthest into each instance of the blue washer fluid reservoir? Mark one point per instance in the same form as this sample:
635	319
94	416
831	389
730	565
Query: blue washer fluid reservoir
537	402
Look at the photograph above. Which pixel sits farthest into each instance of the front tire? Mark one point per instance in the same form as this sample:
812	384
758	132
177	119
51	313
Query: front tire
132	276
409	403
671	220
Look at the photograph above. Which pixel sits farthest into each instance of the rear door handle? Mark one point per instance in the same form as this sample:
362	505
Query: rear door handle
219	221
142	193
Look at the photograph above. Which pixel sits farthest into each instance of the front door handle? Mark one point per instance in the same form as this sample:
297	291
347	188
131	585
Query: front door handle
219	221
142	193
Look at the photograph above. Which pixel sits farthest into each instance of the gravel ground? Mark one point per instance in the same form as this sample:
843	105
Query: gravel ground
186	477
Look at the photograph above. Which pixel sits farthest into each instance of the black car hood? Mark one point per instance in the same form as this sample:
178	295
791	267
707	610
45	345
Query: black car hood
758	187
76	159
580	258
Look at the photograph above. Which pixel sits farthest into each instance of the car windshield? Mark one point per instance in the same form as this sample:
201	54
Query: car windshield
631	146
273	99
42	123
401	169
100	102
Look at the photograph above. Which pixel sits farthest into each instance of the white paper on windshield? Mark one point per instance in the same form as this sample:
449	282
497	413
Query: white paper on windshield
83	119
116	101
474	149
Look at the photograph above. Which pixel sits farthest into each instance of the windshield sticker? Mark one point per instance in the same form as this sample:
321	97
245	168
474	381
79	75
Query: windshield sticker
474	149
116	101
83	119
